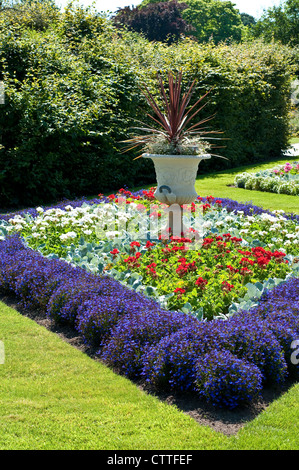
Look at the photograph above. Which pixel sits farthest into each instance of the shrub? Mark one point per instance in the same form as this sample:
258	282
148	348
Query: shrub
136	332
97	316
226	381
65	301
250	339
35	284
170	364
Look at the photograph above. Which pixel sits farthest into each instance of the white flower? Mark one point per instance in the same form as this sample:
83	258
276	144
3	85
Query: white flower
278	212
87	232
290	235
65	236
207	224
112	235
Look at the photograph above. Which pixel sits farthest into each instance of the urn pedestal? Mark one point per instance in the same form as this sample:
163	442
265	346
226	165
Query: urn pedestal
176	176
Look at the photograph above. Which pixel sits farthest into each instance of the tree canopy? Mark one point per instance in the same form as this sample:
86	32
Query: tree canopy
159	21
214	19
280	23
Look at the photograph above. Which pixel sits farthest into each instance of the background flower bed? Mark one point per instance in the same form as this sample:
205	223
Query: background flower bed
134	334
283	179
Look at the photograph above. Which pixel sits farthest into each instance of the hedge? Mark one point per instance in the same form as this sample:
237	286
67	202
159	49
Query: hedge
72	94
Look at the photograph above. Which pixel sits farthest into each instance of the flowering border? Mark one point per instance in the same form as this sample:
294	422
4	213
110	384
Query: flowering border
279	180
226	362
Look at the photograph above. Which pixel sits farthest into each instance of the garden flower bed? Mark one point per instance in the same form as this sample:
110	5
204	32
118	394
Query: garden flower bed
283	179
217	318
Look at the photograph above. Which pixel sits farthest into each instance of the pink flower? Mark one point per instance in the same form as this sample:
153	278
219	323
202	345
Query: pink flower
141	207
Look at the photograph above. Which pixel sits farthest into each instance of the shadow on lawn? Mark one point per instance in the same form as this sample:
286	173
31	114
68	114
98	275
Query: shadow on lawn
220	420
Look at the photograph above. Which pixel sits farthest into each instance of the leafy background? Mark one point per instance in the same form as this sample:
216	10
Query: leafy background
72	94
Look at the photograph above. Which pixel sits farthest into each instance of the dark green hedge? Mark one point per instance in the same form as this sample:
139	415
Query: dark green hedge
72	94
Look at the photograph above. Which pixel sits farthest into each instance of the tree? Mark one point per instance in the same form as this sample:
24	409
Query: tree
160	21
247	19
280	23
6	5
34	14
214	19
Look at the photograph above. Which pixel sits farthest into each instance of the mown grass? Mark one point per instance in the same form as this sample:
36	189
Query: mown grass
53	396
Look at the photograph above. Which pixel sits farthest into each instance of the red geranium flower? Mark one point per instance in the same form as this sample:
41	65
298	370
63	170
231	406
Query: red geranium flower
149	244
133	245
227	286
179	290
200	282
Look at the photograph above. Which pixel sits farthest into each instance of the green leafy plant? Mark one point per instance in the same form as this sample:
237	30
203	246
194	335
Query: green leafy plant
174	132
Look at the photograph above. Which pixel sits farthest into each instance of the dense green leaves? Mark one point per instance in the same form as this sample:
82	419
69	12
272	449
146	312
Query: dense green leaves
280	23
72	95
214	20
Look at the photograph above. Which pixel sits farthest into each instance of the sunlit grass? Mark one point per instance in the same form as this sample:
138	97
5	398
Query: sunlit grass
220	184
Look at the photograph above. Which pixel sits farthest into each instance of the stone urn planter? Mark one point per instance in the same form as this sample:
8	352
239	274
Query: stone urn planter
176	176
175	143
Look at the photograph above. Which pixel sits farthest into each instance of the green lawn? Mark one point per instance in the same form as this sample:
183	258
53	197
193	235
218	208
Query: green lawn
53	396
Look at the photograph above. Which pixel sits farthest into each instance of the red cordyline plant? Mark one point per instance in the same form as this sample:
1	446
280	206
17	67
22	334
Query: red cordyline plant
174	132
